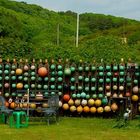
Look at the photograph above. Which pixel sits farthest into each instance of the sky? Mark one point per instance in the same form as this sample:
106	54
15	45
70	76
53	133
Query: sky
120	8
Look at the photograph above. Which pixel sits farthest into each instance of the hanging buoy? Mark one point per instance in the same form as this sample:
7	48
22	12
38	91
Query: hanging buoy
71	102
107	108
114	107
91	102
79	109
72	108
66	97
135	98
100	110
93	110
18	71
67	71
65	106
84	102
86	109
135	89
42	71
77	102
98	102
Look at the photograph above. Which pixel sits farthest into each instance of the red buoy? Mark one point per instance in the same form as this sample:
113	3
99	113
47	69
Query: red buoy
42	71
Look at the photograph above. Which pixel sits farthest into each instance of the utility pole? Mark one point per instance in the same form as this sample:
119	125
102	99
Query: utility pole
77	30
57	34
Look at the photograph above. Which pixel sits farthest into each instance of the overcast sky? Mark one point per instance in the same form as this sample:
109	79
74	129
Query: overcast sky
122	8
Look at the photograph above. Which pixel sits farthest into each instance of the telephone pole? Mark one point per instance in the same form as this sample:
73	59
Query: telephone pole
57	34
77	30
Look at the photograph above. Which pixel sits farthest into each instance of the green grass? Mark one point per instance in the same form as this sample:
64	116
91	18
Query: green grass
73	129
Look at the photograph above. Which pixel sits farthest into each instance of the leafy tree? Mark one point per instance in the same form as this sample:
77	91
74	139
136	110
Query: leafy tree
29	31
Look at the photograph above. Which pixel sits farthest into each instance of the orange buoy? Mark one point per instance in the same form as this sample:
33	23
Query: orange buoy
18	71
19	85
6	104
86	109
114	107
93	109
79	109
100	110
65	106
13	105
42	71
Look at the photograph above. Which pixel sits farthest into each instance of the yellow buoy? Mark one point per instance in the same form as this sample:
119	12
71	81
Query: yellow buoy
100	110
98	102
135	98
72	108
107	108
91	102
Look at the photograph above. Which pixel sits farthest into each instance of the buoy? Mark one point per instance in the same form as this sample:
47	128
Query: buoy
67	71
18	71
135	89
65	106
71	102
86	109
98	102
19	85
91	102
114	107
42	72
77	102
100	110
135	98
79	109
72	108
84	102
93	110
107	108
66	97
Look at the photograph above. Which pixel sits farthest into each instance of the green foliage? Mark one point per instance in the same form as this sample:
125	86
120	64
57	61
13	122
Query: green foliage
134	38
29	31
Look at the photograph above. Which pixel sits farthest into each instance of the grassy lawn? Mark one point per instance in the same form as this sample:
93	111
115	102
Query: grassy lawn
73	129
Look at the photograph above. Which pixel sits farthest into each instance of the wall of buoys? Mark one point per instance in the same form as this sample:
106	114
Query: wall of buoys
83	88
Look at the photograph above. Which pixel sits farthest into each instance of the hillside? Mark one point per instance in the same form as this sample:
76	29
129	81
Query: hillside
29	31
